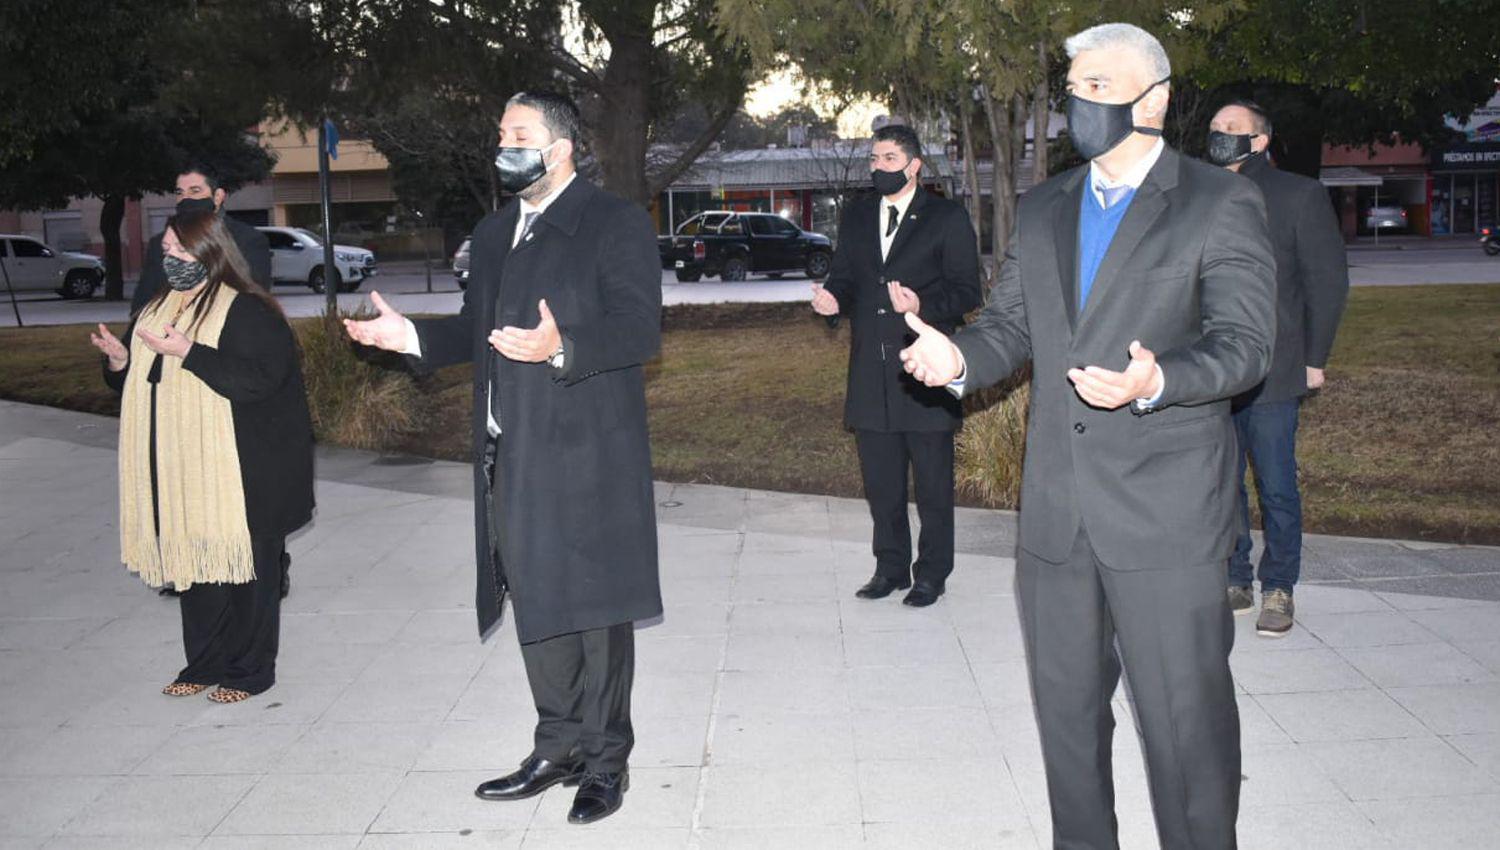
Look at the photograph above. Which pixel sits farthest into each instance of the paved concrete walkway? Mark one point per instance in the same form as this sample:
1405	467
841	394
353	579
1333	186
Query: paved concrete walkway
772	708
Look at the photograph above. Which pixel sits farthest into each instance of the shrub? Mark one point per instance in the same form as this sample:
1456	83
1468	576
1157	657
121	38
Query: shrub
361	398
992	444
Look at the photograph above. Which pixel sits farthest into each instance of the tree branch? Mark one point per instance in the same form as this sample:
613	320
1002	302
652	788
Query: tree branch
656	183
559	60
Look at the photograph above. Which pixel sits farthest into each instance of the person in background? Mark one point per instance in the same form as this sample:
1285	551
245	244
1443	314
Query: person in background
903	251
215	454
1312	284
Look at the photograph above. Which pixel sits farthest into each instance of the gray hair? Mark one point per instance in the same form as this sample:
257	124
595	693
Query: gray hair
1129	36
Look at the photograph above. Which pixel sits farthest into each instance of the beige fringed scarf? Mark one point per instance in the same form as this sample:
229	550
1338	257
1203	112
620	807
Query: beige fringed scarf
201	500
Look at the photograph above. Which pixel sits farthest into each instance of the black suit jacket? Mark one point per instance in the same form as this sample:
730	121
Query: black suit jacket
575	507
1312	278
253	245
256	366
933	254
1190	273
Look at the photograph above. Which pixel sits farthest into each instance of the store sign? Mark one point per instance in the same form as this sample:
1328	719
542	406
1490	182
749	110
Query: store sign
1468	157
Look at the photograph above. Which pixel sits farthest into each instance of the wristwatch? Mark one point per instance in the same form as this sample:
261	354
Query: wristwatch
556	360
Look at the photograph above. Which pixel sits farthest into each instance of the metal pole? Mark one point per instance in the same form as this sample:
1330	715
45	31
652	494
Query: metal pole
13	304
426	252
330	271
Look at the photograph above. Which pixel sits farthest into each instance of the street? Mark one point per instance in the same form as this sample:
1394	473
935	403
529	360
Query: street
405	286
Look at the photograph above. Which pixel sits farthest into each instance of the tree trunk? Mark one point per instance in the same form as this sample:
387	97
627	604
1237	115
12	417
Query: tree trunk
1041	116
620	120
972	198
109	227
1002	187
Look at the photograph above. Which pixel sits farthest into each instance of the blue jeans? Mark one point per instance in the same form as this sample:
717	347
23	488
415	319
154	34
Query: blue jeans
1268	441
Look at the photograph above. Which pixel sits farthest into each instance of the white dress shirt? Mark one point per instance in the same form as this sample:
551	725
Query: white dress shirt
414	344
899	205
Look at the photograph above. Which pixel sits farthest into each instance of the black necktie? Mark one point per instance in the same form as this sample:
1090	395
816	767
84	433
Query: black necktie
891	222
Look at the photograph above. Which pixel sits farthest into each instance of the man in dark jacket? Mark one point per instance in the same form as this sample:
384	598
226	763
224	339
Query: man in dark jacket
562	311
198	187
1312	283
902	250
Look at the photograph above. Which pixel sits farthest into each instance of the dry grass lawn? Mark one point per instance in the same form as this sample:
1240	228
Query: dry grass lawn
1400	444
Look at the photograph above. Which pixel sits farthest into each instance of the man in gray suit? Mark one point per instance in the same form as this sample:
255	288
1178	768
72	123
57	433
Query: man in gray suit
1141	288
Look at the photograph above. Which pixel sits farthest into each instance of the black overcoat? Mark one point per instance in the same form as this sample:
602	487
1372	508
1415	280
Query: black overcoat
1312	279
934	254
574	507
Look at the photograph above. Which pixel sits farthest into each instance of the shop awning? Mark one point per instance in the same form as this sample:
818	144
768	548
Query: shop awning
1348	175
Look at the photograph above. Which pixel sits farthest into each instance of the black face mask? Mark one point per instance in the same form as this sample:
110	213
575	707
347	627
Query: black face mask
195	205
888	182
521	167
1098	128
183	275
1229	148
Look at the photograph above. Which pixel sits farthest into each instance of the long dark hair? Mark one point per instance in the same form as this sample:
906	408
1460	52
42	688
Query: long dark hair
204	235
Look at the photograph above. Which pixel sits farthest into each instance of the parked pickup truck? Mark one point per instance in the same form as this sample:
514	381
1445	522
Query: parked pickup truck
732	245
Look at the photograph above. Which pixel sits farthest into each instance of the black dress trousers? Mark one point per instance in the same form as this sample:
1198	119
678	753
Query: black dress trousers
884	457
230	632
581	684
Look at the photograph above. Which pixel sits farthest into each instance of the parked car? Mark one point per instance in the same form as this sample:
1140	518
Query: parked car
33	266
1385	216
297	257
461	264
732	245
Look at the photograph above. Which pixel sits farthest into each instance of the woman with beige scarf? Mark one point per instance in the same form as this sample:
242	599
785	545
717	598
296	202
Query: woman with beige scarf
215	454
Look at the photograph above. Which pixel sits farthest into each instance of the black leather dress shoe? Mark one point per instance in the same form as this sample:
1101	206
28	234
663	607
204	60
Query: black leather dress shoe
535	776
599	796
923	594
880	587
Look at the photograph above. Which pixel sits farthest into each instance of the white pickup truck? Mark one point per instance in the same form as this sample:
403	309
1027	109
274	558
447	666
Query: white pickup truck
297	257
32	266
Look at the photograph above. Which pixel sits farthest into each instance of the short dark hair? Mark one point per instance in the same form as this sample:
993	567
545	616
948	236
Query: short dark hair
559	112
904	137
210	176
1258	112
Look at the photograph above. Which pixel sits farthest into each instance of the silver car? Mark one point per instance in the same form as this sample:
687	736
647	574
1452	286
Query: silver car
461	264
1385	216
32	265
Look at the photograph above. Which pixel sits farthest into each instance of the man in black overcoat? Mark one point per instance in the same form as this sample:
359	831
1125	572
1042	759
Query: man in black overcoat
902	250
563	310
198	188
1312	284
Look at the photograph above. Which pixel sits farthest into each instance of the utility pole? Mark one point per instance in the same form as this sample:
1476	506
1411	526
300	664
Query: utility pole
330	271
6	272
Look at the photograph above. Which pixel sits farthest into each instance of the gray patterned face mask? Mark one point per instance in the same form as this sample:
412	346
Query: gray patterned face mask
183	275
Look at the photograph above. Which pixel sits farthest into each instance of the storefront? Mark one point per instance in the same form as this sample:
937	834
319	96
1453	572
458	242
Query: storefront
1465	188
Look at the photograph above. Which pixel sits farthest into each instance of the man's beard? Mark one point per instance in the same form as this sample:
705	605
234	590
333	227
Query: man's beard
538	190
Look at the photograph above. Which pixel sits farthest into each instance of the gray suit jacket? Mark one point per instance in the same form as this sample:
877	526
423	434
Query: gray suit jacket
1190	274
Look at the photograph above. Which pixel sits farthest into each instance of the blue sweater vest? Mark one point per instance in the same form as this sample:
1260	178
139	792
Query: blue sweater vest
1096	230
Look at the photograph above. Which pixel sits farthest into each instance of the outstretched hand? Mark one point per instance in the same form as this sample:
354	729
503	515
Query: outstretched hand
933	359
529	345
110	346
1109	390
387	330
823	301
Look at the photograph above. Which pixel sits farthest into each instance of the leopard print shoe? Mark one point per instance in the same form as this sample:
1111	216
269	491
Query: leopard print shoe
184	689
229	695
